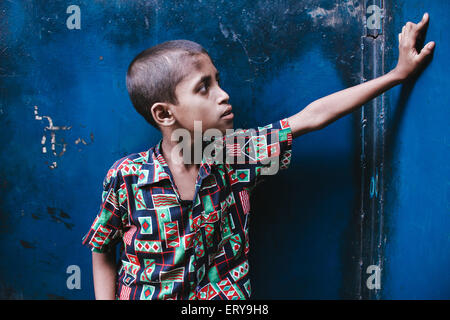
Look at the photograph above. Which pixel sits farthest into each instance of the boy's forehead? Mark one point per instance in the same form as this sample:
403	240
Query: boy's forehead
198	66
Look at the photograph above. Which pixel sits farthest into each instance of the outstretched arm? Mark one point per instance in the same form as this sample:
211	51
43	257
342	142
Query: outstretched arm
326	110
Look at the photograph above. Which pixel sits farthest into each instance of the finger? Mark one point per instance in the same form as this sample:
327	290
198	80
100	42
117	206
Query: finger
409	34
409	25
424	21
399	38
426	51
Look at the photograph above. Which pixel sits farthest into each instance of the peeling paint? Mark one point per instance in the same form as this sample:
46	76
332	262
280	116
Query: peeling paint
334	17
53	130
61	217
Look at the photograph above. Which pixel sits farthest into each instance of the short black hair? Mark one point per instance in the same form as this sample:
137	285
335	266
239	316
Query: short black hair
154	73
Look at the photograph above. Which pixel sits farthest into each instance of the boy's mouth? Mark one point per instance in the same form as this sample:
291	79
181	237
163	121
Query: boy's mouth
227	112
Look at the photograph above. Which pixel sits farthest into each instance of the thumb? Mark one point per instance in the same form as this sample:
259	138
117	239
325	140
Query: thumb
425	52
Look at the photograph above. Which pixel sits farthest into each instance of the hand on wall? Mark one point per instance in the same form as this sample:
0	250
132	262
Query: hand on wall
409	60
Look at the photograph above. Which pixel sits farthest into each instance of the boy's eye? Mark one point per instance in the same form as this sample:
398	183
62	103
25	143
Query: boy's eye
204	87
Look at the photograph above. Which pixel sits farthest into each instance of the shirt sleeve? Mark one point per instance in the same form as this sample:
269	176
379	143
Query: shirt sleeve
108	225
252	154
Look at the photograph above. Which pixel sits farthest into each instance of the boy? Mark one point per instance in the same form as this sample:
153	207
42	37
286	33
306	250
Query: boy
183	224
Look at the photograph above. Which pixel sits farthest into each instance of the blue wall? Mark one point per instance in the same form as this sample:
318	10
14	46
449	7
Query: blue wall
417	254
274	60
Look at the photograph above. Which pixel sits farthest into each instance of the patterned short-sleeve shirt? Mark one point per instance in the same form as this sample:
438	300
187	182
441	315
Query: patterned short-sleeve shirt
177	249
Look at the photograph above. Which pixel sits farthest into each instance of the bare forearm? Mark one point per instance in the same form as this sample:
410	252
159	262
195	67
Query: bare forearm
334	106
104	271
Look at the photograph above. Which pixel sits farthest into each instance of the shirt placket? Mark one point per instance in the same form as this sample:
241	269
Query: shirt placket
204	171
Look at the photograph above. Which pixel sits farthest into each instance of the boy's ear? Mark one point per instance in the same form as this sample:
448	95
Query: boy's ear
162	114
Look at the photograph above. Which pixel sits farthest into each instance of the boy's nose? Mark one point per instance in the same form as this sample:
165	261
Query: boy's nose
223	96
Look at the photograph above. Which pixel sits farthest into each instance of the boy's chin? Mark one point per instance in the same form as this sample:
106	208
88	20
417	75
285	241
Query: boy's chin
228	126
221	126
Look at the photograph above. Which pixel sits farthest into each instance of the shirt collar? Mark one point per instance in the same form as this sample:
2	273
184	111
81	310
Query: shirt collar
156	169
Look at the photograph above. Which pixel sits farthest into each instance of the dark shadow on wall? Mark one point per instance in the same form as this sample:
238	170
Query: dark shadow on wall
395	118
298	220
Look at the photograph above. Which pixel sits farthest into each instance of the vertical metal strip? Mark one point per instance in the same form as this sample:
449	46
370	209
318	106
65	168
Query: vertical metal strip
372	154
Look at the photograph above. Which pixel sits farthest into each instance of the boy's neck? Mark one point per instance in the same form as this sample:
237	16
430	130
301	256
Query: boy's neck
177	158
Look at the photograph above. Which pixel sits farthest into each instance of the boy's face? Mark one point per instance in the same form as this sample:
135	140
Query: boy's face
200	98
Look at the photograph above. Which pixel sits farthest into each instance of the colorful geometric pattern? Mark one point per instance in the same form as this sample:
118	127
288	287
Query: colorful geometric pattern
208	292
125	293
174	249
100	237
243	175
147	292
147	246
245	201
240	271
230	290
146	225
173	275
128	236
146	275
138	198
172	234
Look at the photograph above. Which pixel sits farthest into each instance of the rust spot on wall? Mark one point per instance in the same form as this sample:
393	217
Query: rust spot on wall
27	245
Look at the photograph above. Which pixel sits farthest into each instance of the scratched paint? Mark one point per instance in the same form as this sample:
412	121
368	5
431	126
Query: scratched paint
53	129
